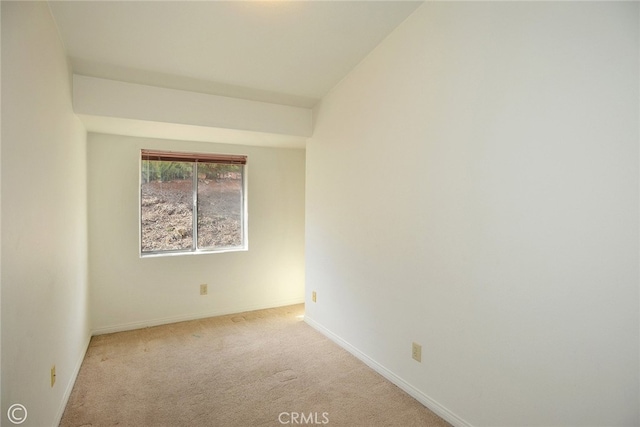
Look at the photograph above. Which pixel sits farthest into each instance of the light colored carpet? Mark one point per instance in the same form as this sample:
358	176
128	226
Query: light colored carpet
260	368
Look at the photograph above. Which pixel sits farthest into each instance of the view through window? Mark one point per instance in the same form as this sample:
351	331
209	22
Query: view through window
191	202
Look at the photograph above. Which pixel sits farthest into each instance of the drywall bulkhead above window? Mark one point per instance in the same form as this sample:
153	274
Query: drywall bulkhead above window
115	99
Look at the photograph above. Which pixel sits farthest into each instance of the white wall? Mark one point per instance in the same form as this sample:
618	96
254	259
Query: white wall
129	292
44	226
473	186
109	98
0	217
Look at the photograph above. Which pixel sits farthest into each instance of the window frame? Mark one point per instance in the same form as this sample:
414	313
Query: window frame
195	158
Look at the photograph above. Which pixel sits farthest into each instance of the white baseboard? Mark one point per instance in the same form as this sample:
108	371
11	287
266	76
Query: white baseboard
194	316
72	381
427	401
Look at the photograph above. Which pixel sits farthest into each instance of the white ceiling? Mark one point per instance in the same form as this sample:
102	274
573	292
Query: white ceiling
286	52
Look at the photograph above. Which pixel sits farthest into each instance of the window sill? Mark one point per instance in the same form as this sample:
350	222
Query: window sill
198	252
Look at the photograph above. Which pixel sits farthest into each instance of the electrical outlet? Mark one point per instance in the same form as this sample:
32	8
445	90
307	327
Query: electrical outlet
203	289
313	296
416	352
53	375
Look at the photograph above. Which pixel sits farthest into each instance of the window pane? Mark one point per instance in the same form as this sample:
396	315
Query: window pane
166	205
220	205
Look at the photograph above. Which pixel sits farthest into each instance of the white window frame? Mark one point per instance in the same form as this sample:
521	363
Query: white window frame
195	158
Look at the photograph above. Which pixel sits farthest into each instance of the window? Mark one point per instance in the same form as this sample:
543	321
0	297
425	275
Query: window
191	203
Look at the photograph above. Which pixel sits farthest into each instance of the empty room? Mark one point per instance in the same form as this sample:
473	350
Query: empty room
343	213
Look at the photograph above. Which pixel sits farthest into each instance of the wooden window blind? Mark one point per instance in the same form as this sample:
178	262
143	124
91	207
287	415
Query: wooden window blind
230	159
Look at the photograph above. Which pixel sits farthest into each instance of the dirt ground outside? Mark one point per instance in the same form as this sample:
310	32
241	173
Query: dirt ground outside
167	214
